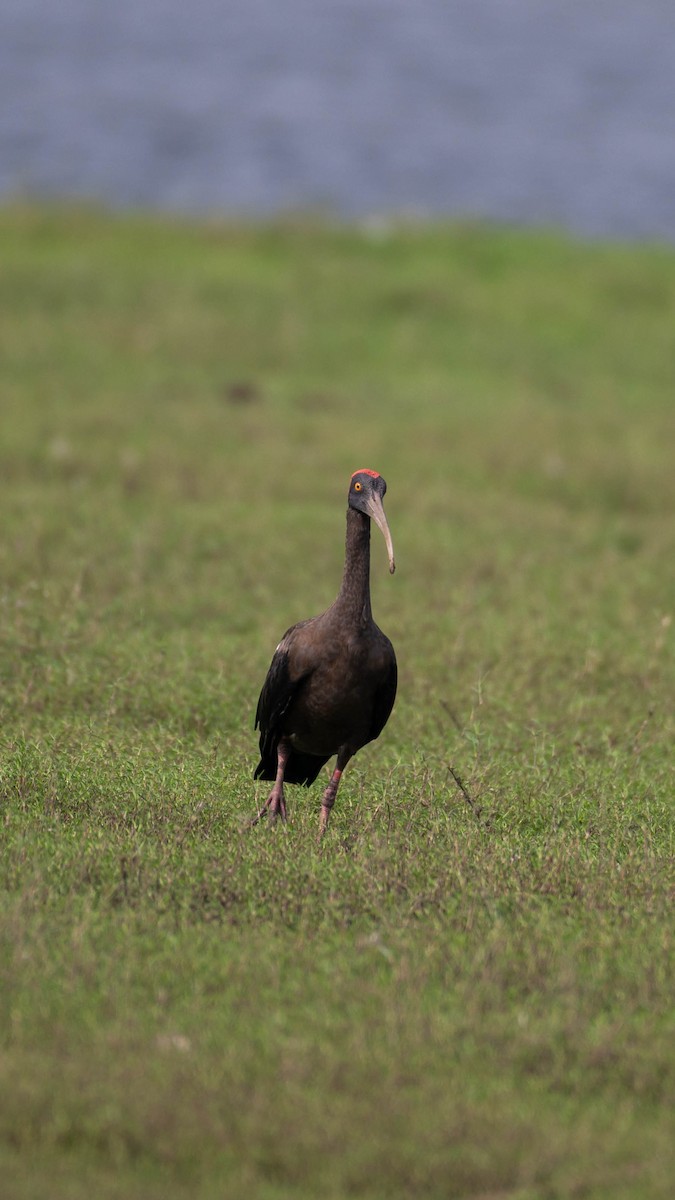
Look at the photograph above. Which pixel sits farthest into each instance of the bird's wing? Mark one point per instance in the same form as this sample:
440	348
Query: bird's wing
385	694
277	694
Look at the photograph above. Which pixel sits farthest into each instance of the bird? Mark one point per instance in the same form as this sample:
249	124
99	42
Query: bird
332	681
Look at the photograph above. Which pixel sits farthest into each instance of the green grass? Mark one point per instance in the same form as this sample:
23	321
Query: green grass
448	998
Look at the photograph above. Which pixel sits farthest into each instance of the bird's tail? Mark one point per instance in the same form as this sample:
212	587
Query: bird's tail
300	768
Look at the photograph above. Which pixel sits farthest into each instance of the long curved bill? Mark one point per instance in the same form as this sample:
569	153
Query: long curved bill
376	511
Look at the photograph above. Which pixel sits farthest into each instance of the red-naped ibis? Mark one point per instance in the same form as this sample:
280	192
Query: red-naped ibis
332	681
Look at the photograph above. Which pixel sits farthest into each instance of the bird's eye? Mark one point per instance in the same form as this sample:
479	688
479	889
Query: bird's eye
358	487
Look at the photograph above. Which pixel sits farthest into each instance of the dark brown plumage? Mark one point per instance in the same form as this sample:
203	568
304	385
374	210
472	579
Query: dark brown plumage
332	681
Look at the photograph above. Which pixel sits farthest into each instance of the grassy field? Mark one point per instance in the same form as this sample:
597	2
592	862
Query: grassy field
461	993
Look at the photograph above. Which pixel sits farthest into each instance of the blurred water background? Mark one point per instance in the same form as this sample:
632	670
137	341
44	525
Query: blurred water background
530	111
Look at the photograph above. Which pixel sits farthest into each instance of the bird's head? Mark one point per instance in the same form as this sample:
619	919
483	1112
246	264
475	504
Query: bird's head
366	489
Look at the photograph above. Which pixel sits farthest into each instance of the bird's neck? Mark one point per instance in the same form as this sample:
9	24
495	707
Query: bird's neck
354	597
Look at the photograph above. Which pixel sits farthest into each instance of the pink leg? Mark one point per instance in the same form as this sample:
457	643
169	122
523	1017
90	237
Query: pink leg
275	802
328	799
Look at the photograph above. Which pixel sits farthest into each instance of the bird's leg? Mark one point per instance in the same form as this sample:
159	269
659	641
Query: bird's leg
328	798
275	803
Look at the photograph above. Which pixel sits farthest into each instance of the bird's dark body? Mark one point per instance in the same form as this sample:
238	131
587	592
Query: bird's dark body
327	687
331	684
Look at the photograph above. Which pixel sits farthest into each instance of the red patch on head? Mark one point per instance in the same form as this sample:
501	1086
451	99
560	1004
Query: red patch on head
365	471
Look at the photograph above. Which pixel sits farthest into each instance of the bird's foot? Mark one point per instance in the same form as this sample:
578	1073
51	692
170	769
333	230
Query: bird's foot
274	806
327	802
277	808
